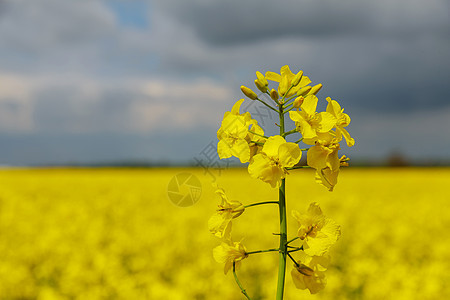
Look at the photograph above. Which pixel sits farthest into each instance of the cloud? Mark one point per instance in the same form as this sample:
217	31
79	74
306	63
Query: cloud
89	105
74	68
235	22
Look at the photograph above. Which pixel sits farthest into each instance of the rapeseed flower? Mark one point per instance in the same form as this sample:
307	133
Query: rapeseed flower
323	157
342	120
276	155
308	122
234	136
309	274
228	253
286	79
220	223
317	232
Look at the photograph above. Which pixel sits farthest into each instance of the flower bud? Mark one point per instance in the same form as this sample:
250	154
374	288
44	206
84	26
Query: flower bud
274	95
262	79
298	102
315	89
304	90
297	78
283	86
248	92
260	86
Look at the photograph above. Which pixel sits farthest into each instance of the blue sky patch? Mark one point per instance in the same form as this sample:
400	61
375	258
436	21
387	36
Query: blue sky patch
131	13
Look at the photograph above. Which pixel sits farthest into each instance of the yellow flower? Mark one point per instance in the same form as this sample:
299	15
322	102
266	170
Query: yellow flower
276	155
323	157
286	78
220	223
343	120
234	136
229	252
309	274
317	232
309	123
232	140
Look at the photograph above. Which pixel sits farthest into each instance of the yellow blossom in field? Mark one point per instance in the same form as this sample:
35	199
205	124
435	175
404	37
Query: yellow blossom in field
286	78
317	232
308	122
343	120
229	252
323	157
309	274
276	155
220	223
232	140
234	135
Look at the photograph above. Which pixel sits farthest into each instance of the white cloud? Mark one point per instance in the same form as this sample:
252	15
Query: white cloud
86	104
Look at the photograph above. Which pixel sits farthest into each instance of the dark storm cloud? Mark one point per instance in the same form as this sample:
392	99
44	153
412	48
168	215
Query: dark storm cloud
235	22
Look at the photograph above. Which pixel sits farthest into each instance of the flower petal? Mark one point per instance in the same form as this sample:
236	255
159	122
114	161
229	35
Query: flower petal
289	154
273	76
236	107
241	150
309	105
272	144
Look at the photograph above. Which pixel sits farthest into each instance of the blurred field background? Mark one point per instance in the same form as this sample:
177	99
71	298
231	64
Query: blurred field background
114	234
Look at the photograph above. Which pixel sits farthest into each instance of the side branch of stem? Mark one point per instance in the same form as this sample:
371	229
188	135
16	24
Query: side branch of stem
276	110
238	282
261	203
263	251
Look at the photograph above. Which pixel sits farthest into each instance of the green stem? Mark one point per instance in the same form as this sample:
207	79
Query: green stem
301	139
267	105
291	240
298	167
261	203
290	132
289	109
258	134
283	240
262	251
286	107
290	256
283	225
296	249
238	283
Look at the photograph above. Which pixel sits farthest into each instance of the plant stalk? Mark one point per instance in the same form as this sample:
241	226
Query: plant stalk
283	225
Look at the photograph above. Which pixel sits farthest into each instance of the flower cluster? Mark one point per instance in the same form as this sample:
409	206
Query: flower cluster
271	157
317	234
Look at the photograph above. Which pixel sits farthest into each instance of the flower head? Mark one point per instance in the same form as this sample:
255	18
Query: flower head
234	136
323	157
220	223
287	79
230	252
343	120
308	122
317	232
276	155
309	274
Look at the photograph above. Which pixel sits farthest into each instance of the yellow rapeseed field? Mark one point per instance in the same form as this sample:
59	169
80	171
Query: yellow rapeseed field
114	234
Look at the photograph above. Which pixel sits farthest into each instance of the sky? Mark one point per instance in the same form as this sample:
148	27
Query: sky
99	81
